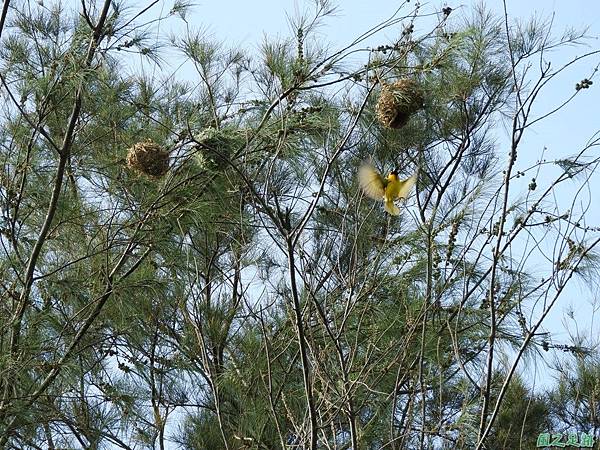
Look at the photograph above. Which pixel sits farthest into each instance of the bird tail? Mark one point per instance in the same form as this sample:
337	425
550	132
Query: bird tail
391	208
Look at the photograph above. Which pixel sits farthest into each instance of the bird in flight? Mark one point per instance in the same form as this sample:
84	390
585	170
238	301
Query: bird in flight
388	189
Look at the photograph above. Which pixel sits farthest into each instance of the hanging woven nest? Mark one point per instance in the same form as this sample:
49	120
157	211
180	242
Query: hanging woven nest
148	158
397	102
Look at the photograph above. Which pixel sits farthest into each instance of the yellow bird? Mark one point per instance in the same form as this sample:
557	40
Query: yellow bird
387	189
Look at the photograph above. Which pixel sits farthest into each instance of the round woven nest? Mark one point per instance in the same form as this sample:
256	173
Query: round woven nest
397	102
148	158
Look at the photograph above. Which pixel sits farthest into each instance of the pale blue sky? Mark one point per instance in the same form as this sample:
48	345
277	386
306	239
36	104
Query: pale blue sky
239	21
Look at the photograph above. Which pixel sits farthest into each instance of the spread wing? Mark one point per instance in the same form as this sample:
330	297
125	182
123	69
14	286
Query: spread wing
406	186
371	182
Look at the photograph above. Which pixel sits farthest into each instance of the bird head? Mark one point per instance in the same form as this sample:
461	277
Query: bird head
393	176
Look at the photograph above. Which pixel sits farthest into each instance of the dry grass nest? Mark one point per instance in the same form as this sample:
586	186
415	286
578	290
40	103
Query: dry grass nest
397	102
148	158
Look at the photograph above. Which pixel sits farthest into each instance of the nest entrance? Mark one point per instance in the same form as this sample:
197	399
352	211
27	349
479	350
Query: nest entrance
397	102
148	158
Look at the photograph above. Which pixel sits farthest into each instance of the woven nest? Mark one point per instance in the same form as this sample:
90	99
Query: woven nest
218	145
397	102
148	158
